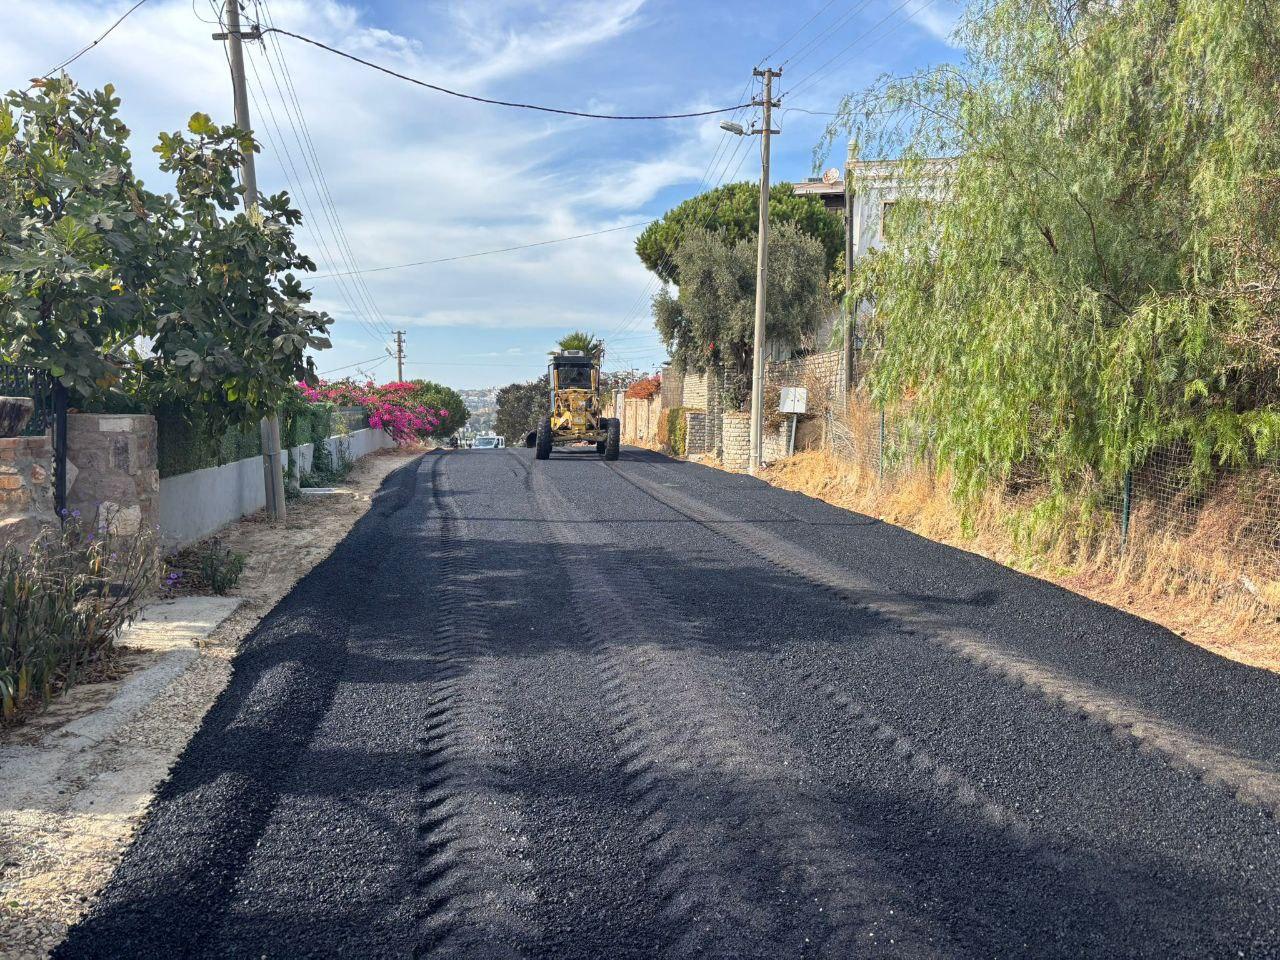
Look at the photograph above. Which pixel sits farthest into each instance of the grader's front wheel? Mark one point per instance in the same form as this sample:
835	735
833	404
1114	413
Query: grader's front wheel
543	449
612	439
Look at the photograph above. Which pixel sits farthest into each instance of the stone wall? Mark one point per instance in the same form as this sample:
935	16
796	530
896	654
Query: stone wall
26	489
822	373
695	391
695	432
111	470
773	445
736	439
672	386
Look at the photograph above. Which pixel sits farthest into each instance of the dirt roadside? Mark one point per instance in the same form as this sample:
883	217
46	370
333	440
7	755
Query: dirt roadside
76	781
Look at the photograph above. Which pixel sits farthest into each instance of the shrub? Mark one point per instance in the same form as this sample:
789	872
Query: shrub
64	602
220	568
676	428
644	389
391	407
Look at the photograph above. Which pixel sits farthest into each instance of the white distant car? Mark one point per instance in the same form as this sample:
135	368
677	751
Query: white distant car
488	442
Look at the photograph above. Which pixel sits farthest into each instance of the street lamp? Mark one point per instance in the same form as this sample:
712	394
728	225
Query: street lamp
730	127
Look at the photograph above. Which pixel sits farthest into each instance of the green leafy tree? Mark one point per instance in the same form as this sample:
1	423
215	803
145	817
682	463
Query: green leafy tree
711	321
173	301
436	396
1102	278
733	211
81	241
237	322
520	406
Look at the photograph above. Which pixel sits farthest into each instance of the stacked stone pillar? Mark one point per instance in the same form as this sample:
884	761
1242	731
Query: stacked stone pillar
112	475
26	489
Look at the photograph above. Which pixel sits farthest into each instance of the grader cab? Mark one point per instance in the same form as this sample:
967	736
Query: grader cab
576	415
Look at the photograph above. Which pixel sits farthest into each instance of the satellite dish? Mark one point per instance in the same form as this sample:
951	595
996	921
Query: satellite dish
831	176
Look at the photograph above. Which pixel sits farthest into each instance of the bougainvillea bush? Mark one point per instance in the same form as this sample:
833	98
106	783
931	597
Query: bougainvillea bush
644	389
391	407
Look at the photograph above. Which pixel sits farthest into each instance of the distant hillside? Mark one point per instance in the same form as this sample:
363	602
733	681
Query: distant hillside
483	404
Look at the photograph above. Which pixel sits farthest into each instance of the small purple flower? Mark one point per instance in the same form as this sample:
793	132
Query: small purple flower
75	514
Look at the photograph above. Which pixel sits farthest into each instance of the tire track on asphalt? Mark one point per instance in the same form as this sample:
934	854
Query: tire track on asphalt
1249	780
752	857
472	879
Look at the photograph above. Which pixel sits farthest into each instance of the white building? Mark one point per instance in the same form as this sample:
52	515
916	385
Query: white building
878	186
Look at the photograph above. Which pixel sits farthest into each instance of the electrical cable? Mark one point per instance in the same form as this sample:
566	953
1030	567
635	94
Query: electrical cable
807	81
798	31
310	223
319	176
76	56
348	366
489	100
819	39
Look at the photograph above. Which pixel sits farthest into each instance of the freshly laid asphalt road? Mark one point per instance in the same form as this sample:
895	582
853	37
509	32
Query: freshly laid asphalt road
573	709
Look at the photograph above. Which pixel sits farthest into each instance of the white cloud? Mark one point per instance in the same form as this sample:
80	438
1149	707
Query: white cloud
497	50
938	19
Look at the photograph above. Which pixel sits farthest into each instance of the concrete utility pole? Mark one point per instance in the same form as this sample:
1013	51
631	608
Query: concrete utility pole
399	356
762	273
272	461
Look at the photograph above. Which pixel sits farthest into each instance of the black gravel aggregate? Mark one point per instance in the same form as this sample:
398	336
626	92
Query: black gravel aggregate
530	709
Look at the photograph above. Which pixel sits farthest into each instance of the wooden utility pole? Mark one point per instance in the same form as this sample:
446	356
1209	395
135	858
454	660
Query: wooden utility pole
272	461
762	273
399	356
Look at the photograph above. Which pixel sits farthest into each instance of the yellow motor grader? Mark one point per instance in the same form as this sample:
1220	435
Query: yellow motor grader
576	412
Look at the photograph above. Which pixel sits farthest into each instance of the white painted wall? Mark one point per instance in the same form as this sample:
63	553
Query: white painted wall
194	505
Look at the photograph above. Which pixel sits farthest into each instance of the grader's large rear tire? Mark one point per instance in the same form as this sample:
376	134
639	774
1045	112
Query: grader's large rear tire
612	439
543	449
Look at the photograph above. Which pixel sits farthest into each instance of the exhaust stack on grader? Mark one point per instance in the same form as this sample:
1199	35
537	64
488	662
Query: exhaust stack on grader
576	414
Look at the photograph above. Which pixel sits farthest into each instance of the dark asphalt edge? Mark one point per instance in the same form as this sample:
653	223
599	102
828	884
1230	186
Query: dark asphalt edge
207	820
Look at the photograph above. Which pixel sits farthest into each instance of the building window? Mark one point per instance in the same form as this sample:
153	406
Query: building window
886	215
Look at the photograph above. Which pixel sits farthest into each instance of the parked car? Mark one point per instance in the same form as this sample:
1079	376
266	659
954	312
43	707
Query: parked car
488	442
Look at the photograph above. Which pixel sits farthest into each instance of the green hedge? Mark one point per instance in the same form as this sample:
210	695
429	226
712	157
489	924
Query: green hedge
185	442
676	430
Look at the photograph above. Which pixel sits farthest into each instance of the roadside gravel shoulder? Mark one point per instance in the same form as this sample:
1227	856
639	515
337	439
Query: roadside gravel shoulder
76	781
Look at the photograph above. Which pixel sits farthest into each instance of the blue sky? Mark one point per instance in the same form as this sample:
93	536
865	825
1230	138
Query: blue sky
391	173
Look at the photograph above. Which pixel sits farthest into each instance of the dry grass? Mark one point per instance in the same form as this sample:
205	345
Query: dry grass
1196	581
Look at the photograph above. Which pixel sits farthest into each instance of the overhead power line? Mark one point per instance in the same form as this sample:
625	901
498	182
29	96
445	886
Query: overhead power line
797	33
489	100
484	253
106	33
810	79
348	366
319	178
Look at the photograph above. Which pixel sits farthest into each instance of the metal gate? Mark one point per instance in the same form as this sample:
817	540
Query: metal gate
50	416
